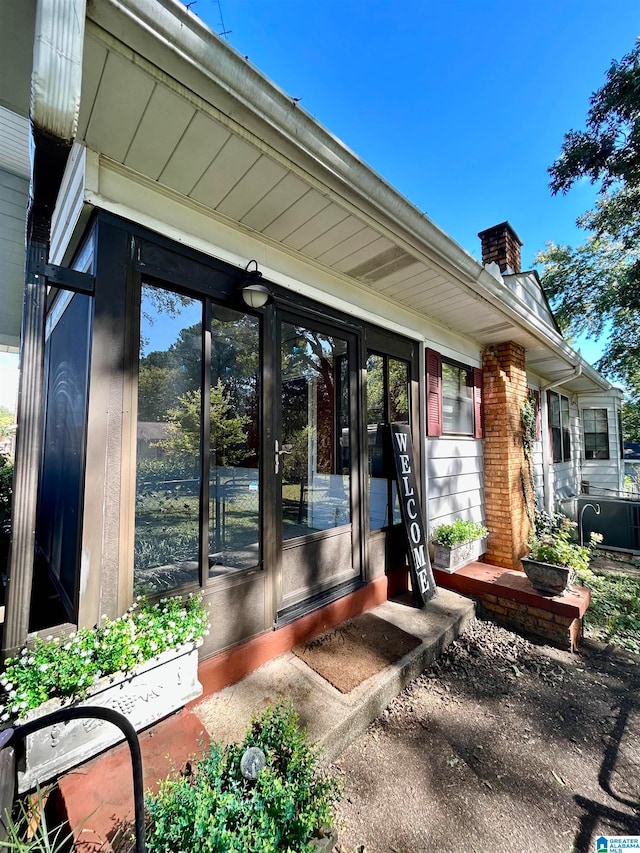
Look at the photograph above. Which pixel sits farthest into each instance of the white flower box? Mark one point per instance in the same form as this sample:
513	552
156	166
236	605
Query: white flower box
152	691
449	559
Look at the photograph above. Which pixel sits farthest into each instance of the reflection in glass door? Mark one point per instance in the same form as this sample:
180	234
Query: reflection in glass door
314	461
388	401
234	465
198	422
315	432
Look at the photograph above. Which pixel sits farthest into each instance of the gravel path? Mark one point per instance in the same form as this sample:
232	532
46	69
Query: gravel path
501	745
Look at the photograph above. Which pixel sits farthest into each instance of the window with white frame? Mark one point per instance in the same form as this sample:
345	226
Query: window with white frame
595	426
454	397
457	399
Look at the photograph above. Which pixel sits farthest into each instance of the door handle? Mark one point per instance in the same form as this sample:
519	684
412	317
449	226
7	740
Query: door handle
279	453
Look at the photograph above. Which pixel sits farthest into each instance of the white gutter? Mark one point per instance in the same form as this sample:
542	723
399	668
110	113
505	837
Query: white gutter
57	67
573	375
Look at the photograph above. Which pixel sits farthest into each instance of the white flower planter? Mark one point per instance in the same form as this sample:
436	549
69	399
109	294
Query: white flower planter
449	559
152	691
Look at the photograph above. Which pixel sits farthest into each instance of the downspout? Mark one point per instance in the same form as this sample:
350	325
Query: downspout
55	103
546	446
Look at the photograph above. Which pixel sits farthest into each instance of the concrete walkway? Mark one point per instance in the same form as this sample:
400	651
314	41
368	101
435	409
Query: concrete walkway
334	719
102	788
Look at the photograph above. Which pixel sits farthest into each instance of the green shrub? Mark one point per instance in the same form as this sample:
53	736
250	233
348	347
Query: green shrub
614	614
6	490
215	808
458	532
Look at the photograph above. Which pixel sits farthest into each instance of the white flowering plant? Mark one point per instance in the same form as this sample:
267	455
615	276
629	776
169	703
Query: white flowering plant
67	667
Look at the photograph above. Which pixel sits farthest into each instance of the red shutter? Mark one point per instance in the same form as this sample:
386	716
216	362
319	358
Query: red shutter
434	393
538	412
549	428
478	416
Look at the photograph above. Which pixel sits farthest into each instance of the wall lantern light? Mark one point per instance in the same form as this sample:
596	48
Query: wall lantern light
255	294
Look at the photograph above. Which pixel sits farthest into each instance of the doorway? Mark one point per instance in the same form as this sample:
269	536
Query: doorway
316	463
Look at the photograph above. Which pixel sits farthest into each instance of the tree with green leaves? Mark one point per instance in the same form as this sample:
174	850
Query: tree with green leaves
228	434
594	288
631	420
7	418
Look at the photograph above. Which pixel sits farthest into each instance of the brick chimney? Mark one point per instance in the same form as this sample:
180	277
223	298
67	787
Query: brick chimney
501	245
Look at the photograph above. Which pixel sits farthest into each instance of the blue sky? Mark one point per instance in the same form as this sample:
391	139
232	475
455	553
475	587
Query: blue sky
462	105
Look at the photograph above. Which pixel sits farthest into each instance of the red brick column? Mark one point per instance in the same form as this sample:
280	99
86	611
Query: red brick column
505	389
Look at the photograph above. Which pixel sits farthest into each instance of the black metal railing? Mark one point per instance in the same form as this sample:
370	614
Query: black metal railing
11	738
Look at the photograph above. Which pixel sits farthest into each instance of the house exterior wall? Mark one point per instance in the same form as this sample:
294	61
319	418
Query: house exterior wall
455	480
557	484
14	191
605	475
566	476
209	183
538	472
453	466
454	463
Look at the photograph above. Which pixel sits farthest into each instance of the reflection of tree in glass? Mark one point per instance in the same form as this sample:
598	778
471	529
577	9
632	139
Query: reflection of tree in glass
375	389
228	433
156	301
235	361
310	358
396	408
156	391
398	391
166	374
296	460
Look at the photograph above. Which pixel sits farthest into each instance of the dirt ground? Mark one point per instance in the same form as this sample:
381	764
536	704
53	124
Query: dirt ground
502	745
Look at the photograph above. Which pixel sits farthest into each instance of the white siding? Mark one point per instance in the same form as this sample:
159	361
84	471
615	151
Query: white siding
13	205
565	477
603	475
70	208
455	481
538	473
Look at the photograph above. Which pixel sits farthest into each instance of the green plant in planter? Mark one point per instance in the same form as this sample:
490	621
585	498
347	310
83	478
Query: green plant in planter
67	667
458	532
551	542
215	809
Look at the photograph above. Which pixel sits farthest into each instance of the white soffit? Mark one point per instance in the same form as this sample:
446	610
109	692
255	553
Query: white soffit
15	171
14	143
202	157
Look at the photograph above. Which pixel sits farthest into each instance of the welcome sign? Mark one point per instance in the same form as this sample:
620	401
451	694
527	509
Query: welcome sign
424	585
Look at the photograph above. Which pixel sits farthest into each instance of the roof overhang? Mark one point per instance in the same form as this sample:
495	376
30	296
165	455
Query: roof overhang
201	121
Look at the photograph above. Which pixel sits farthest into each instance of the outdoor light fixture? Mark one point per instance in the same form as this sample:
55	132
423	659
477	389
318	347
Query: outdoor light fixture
253	292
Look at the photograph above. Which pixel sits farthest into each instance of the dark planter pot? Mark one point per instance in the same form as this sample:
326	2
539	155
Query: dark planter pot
547	578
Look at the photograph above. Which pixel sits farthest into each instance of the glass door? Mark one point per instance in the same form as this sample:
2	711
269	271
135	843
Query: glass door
198	488
315	462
